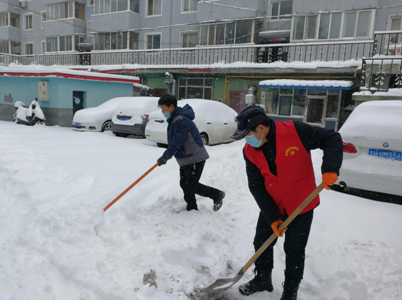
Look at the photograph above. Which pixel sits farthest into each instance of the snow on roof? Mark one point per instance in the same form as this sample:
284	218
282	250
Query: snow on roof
302	84
14	70
390	92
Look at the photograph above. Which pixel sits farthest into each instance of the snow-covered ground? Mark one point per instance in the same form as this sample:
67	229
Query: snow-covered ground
57	243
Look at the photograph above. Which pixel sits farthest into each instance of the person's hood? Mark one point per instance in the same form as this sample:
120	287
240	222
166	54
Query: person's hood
187	111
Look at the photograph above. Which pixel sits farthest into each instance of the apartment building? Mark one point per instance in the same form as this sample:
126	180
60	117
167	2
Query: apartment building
36	27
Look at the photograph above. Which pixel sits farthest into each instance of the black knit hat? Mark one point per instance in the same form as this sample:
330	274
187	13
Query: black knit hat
248	119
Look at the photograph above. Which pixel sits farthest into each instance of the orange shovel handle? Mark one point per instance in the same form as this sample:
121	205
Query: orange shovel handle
130	187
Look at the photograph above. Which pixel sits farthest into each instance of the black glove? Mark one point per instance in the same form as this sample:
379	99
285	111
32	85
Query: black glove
161	161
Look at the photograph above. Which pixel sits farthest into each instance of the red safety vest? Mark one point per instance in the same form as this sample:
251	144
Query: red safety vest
295	180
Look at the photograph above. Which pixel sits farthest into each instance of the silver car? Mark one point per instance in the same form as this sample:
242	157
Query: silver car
372	146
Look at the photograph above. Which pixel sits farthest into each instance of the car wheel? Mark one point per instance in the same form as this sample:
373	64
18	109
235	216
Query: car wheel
204	138
106	126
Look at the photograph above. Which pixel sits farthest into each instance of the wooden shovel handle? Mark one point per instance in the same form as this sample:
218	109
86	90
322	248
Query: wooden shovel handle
130	187
285	224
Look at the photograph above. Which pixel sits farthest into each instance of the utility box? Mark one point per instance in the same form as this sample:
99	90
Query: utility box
43	91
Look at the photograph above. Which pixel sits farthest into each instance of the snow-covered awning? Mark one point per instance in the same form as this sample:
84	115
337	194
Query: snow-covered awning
307	84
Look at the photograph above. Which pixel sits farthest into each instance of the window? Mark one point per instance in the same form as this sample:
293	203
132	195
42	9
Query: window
395	24
66	43
43	46
80	11
4	46
281	8
311	24
15	48
3	19
43	17
239	32
90	2
15	20
28	22
64	11
153	41
189	5
189	39
195	87
28	48
299	102
135	6
108	6
116	40
51	44
154	7
285	101
356	24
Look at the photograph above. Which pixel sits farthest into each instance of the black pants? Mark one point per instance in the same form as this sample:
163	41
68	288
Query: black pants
189	182
296	238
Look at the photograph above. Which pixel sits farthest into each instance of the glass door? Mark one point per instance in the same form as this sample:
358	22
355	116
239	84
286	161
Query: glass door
315	110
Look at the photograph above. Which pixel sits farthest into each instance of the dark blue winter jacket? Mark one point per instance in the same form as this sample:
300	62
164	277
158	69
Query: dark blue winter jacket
184	140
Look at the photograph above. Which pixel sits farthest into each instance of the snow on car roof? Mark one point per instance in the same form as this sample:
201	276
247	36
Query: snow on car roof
210	110
375	119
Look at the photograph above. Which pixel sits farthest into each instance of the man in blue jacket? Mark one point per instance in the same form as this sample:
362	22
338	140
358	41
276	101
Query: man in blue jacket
185	144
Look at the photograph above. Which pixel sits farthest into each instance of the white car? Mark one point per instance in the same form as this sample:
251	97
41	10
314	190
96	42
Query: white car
96	118
215	122
131	116
372	146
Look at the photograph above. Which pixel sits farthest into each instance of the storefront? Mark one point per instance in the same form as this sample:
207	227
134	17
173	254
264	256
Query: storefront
316	102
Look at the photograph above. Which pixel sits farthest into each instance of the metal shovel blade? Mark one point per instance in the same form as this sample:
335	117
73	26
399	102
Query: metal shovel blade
222	285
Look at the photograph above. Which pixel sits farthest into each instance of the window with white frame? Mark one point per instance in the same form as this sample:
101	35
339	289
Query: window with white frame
58	11
28	48
110	6
395	23
116	40
340	25
62	43
189	5
153	41
239	32
3	19
280	8
189	39
43	46
28	22
66	43
154	7
4	46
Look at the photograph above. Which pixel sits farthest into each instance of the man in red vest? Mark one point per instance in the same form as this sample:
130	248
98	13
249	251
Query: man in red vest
280	177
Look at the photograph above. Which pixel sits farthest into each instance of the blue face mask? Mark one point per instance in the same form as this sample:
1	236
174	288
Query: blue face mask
253	141
167	115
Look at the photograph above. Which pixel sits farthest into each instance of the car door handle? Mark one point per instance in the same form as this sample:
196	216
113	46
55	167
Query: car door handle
209	123
225	123
159	121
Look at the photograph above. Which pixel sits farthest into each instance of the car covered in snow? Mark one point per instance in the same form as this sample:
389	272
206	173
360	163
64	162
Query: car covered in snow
215	122
96	118
372	146
131	116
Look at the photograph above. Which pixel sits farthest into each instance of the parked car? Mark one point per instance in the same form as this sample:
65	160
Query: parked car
131	116
372	146
215	122
96	118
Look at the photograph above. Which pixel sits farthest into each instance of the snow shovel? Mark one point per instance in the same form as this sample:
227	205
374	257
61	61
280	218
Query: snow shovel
130	187
221	285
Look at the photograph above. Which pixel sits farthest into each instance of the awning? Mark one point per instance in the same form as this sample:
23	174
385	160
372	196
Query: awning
307	84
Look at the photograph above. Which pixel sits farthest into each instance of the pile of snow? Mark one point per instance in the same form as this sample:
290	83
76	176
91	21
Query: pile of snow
57	243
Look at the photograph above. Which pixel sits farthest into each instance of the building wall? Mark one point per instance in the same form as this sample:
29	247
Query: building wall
59	109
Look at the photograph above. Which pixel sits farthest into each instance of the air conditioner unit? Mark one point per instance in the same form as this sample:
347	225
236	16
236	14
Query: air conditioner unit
23	3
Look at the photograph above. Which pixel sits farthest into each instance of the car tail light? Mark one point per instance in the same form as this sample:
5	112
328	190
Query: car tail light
144	117
349	148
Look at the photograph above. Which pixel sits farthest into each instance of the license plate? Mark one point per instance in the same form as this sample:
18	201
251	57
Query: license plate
77	124
387	154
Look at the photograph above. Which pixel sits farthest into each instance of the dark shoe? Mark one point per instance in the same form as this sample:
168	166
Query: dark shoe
192	207
290	288
261	282
219	201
